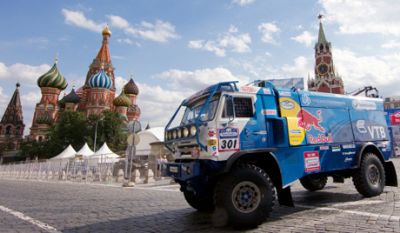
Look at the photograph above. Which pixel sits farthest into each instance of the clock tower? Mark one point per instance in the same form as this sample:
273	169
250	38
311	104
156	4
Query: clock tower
326	79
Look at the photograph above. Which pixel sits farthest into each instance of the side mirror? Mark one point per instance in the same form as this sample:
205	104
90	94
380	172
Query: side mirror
230	111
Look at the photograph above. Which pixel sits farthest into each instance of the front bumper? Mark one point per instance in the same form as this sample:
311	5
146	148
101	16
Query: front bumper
185	170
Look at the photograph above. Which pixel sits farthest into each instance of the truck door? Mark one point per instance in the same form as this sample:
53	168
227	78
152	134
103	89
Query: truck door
241	124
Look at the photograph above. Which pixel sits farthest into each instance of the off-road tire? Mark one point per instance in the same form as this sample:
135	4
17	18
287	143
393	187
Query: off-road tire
313	183
369	179
203	203
246	195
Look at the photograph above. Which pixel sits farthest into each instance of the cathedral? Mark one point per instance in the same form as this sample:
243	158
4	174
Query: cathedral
95	96
326	78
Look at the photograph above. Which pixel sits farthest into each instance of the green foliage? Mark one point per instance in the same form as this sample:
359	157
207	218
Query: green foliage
75	128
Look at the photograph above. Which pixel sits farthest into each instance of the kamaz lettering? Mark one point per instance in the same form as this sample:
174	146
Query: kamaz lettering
235	147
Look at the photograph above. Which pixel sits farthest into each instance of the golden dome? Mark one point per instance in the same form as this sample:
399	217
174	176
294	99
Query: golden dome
106	31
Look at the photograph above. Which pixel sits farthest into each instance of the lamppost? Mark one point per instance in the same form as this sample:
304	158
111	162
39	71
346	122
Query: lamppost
95	135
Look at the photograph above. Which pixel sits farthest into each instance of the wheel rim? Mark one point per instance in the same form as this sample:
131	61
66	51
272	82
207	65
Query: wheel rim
374	175
246	196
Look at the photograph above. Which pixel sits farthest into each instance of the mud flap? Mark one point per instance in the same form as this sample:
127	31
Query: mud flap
285	197
391	175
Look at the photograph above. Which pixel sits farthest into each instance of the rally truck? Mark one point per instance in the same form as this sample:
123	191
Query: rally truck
237	149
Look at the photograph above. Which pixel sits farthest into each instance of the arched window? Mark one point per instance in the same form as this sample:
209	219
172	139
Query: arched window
321	47
8	130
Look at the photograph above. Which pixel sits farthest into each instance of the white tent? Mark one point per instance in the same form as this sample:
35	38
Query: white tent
105	155
85	151
68	153
148	136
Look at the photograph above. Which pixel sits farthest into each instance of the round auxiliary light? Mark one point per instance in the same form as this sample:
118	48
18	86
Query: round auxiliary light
185	132
174	134
179	133
169	135
193	130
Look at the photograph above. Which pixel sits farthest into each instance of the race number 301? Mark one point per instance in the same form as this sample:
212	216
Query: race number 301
228	139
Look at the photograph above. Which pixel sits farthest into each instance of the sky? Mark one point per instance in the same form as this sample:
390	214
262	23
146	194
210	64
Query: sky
173	48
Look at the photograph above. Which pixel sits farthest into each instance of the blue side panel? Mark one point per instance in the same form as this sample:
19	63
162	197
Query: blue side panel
369	126
324	125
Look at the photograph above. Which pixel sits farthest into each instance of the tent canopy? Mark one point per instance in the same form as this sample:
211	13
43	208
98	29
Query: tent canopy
147	137
104	154
67	153
85	151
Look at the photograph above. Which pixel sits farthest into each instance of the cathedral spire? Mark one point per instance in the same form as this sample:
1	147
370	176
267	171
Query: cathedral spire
13	113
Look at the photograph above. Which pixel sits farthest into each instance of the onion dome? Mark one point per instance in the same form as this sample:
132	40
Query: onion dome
122	100
52	78
45	119
130	88
134	109
72	97
106	31
100	80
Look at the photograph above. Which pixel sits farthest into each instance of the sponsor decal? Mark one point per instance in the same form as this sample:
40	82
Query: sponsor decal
249	89
395	118
348	159
349	146
324	148
195	152
364	105
212	133
375	131
287	104
311	161
295	131
305	99
285	93
321	138
228	139
336	149
269	112
212	142
349	153
267	91
308	120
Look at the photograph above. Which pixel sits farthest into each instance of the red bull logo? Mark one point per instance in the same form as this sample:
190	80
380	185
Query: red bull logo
306	120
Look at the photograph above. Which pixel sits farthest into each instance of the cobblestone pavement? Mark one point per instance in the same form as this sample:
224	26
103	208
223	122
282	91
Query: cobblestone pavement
34	206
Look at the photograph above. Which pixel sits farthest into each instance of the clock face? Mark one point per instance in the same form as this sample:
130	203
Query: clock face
322	69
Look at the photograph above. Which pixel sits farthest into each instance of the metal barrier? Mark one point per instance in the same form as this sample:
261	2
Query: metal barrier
64	170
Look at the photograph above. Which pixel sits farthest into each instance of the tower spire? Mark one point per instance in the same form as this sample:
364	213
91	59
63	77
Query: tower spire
321	34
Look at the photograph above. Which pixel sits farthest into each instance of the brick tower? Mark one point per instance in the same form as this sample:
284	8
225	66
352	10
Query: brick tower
326	79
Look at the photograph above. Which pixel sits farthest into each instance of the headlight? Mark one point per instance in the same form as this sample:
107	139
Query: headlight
179	133
193	130
185	132
174	134
169	135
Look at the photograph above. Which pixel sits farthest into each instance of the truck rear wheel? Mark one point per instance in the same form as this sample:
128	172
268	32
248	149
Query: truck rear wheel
369	179
246	195
202	203
313	183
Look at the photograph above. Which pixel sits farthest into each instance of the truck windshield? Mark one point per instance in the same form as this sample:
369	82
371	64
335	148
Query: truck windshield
191	113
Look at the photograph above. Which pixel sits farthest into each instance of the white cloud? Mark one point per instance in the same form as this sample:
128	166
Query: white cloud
77	18
160	31
243	2
391	45
22	72
229	41
304	38
3	101
366	16
269	32
300	68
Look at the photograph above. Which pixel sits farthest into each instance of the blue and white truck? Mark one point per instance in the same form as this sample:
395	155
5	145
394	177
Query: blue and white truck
237	149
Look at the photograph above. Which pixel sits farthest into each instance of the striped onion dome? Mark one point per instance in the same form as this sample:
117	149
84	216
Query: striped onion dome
100	80
134	109
130	88
122	100
52	78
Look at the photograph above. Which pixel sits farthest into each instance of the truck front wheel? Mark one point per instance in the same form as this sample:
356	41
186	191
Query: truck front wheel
202	203
313	183
369	179
246	195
